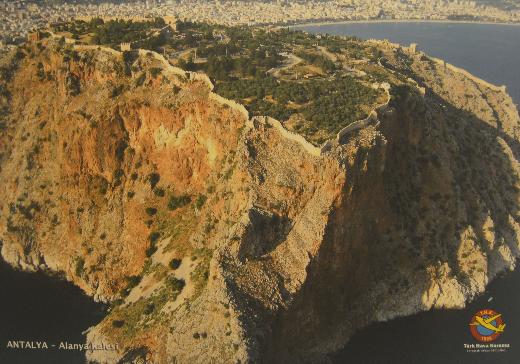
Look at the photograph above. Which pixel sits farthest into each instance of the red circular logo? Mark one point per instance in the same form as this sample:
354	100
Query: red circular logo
486	325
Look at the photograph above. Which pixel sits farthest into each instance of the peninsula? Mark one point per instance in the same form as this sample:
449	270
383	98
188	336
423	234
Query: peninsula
243	194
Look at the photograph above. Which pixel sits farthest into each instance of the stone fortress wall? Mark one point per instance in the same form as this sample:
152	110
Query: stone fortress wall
413	49
136	44
230	103
197	77
86	47
168	68
309	147
341	137
239	108
170	21
166	65
466	74
371	118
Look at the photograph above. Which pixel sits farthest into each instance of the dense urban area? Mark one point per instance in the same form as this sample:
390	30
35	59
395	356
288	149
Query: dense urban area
19	17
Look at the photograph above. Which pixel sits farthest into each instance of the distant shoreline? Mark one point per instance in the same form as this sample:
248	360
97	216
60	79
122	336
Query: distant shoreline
381	21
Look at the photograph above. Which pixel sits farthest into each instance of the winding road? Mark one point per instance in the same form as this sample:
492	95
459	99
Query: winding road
291	61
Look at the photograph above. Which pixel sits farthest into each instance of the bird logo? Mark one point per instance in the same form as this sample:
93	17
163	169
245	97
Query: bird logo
487	325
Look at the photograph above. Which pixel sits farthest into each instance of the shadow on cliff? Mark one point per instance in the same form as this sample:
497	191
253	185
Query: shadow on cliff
264	233
406	202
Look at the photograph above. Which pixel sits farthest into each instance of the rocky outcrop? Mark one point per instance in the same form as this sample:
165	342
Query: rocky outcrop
222	239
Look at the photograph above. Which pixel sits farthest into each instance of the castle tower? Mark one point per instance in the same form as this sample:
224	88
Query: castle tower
171	21
34	36
414	48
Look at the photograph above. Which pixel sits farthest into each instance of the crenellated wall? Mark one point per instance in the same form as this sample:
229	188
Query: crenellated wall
231	103
356	126
202	77
85	47
167	66
325	147
311	149
371	118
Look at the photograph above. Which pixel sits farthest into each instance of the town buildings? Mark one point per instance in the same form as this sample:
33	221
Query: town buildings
19	17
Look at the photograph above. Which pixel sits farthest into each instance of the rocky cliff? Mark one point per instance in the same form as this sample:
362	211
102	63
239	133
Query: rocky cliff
218	239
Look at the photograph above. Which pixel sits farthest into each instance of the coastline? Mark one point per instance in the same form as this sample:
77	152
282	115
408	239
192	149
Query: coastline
382	21
494	78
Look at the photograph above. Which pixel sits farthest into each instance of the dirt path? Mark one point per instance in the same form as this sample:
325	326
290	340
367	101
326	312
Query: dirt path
291	61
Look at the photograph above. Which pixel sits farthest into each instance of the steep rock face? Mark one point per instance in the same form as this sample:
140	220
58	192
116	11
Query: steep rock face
428	217
80	171
425	220
113	167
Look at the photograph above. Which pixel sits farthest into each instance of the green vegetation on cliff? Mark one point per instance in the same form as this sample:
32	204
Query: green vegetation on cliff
113	32
327	104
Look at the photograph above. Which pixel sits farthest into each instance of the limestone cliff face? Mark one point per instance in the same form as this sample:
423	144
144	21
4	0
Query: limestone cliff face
427	217
83	163
130	179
